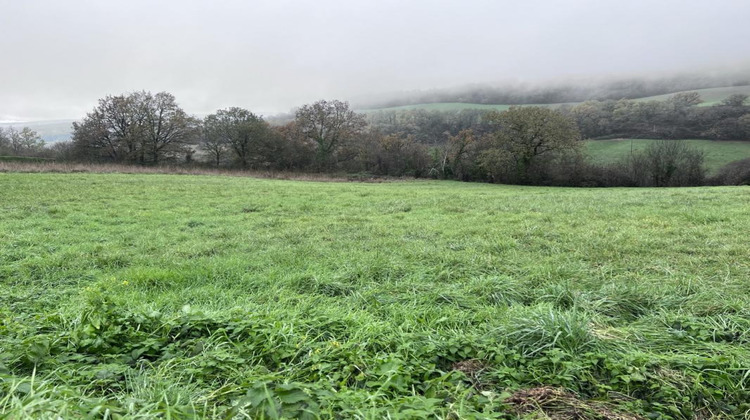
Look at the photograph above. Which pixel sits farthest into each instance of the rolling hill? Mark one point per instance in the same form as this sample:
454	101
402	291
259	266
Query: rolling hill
711	96
52	131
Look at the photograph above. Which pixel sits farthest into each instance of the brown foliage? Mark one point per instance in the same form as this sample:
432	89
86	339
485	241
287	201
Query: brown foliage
109	168
555	403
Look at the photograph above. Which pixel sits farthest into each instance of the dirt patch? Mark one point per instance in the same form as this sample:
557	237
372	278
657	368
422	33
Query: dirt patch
473	369
470	367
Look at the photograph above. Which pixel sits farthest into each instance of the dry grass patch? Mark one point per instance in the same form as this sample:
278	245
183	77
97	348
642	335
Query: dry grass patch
554	403
65	168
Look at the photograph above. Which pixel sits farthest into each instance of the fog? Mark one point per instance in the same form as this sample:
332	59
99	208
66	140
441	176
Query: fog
58	57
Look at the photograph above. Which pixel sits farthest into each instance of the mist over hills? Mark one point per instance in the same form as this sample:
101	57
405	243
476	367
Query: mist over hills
561	91
51	131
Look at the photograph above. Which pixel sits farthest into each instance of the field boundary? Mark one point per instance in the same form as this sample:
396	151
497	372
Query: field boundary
109	168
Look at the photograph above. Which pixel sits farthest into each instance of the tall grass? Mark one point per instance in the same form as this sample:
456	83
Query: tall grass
134	295
32	166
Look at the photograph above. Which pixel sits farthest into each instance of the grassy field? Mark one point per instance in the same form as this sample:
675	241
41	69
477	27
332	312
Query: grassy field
717	153
710	97
182	296
441	106
454	106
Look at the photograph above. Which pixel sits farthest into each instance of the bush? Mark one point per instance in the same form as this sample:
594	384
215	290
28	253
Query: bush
733	173
666	163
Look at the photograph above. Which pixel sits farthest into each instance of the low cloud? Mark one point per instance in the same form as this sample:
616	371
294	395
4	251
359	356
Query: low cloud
269	56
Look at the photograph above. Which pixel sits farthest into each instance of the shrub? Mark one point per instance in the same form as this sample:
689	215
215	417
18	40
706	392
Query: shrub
733	173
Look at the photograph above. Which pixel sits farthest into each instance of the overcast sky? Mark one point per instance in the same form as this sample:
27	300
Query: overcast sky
59	57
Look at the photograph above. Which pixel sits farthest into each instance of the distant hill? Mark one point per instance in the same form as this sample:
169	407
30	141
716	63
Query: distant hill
560	91
710	96
440	106
51	131
456	106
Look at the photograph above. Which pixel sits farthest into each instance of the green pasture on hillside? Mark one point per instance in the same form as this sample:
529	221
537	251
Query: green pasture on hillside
441	106
456	106
717	153
176	296
710	96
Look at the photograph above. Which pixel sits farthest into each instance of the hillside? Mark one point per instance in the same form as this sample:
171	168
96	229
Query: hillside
60	130
444	106
711	96
51	131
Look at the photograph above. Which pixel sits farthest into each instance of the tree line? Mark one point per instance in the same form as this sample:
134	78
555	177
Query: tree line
677	117
524	145
23	143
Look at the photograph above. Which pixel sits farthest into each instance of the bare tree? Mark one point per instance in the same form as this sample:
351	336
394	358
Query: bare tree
684	100
25	142
674	163
4	142
735	100
213	139
167	129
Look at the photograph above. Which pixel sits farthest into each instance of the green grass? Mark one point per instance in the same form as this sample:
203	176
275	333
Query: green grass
441	106
455	106
711	96
178	296
717	153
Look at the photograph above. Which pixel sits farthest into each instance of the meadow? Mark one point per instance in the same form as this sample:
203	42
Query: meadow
710	97
187	296
716	153
442	106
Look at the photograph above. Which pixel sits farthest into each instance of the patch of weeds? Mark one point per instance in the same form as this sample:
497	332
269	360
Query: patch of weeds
502	291
554	403
560	295
542	328
396	207
717	328
621	301
330	288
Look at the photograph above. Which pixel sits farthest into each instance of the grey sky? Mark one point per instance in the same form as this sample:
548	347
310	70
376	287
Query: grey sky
59	57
